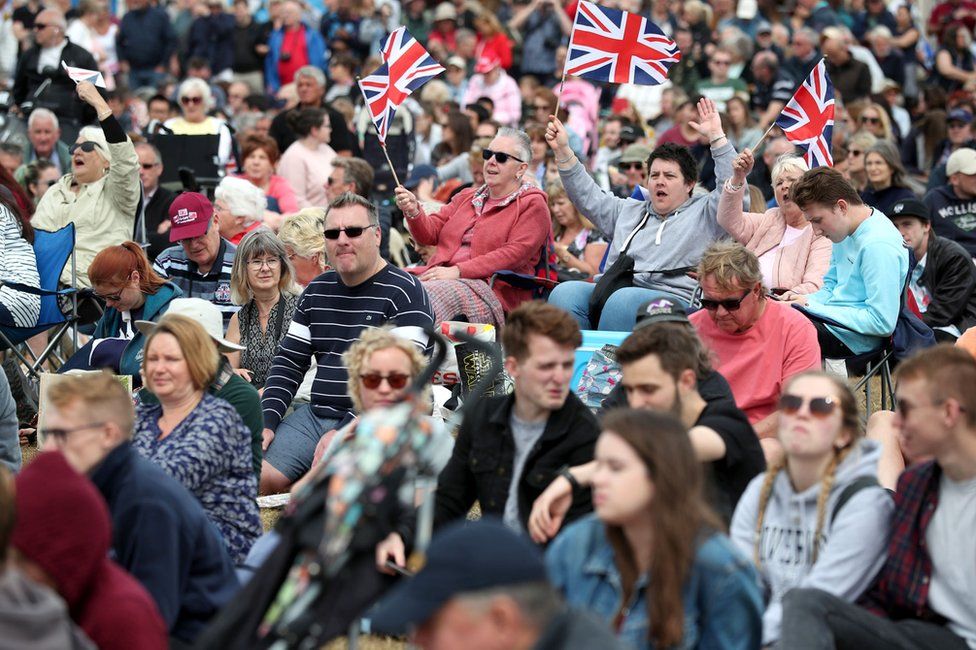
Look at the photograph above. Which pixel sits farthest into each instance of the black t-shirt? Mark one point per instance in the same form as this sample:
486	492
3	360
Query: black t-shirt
743	460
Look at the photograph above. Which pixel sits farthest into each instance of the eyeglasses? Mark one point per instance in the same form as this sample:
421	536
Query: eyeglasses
396	380
60	435
114	297
870	120
148	165
854	153
39	26
820	407
191	100
730	304
500	156
627	166
352	232
335	181
87	146
271	263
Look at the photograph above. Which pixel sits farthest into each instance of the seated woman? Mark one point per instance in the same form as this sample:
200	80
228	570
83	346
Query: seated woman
302	235
195	437
888	182
122	277
501	225
307	163
791	256
239	207
195	100
17	264
800	520
260	155
651	561
579	245
261	281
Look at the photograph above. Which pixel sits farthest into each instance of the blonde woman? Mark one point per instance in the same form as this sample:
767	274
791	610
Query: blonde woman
818	517
261	281
874	119
302	235
579	245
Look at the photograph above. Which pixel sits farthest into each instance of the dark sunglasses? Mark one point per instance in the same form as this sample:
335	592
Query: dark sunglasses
820	407
191	100
396	380
871	120
352	232
854	152
500	156
627	166
115	297
87	146
148	165
39	26
730	304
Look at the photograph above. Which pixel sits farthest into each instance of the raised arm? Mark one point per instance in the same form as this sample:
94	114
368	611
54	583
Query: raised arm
741	225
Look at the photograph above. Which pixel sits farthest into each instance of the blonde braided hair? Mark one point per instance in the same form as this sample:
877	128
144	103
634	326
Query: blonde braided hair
850	421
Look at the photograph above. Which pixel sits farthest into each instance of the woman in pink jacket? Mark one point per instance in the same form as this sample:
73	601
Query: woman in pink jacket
790	256
502	225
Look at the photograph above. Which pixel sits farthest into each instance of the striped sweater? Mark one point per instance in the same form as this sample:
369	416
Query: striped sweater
17	264
330	316
213	286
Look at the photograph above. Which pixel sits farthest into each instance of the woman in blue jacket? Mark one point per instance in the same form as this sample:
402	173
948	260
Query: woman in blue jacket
652	561
122	276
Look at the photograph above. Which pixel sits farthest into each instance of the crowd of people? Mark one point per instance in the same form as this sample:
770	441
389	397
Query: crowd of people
267	273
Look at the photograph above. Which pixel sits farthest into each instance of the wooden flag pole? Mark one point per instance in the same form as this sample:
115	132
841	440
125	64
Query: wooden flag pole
359	82
755	147
559	96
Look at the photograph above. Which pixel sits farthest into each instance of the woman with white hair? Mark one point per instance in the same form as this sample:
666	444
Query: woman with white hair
791	256
101	192
195	100
240	207
262	283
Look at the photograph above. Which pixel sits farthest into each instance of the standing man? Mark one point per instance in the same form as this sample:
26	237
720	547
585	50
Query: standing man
146	43
510	447
155	199
943	283
292	47
361	291
200	263
310	86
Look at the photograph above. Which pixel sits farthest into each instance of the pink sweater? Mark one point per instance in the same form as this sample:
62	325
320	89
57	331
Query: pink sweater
506	237
799	267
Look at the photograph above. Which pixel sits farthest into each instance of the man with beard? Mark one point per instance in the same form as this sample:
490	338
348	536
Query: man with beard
660	366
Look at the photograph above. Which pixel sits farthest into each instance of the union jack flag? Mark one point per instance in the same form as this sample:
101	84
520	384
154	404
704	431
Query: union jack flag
406	67
619	47
808	119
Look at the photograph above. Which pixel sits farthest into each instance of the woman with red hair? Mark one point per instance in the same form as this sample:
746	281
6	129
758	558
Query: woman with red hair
122	277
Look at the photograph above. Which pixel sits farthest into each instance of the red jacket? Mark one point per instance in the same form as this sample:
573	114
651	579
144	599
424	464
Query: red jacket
508	237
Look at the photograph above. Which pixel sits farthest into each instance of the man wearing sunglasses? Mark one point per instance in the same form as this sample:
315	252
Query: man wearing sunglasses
361	291
923	597
43	62
633	166
758	343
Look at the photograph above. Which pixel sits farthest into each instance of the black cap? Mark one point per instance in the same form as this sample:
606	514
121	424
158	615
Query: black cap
910	208
660	310
419	173
463	557
630	133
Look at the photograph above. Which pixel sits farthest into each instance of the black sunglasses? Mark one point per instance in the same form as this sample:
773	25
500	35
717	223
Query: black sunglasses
627	166
40	26
500	156
352	232
730	304
148	165
820	407
87	146
191	100
396	380
871	120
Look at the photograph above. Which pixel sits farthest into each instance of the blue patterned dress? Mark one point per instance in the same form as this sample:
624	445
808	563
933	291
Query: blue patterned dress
209	452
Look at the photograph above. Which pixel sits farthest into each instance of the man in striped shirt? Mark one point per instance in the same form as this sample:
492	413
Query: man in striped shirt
201	261
361	291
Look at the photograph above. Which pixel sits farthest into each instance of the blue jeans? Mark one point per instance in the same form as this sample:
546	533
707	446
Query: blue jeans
619	312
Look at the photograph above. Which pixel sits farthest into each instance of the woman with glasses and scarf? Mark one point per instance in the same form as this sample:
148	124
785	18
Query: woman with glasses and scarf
261	281
501	225
817	517
101	193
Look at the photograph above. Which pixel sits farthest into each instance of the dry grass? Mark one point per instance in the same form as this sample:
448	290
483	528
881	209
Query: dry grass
369	643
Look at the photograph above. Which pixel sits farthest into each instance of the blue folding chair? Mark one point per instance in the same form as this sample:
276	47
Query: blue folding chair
53	251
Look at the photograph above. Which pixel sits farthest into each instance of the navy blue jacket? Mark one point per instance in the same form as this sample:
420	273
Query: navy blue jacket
146	38
212	37
161	535
952	217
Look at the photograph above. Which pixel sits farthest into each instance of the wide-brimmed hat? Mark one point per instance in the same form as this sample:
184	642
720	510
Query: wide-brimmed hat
203	312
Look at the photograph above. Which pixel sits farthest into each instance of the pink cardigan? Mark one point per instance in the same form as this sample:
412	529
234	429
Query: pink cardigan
799	267
508	237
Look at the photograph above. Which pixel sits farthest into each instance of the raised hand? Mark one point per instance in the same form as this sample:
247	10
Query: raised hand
406	201
557	137
709	123
741	166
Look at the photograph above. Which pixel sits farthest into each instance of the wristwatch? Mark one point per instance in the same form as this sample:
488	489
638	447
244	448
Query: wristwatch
568	475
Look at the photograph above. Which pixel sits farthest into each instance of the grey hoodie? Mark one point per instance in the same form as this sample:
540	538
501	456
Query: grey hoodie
666	242
852	549
33	616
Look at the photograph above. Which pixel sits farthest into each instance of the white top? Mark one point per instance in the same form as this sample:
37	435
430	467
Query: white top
952	590
50	57
767	259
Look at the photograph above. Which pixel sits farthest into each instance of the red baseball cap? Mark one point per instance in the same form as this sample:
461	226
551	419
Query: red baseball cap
486	63
189	216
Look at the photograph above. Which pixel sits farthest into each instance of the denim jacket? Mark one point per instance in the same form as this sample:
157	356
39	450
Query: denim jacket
722	599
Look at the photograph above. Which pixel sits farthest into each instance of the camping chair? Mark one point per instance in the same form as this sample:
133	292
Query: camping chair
541	282
53	251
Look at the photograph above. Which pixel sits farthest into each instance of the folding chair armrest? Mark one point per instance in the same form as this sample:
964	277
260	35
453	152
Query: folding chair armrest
37	291
522	280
